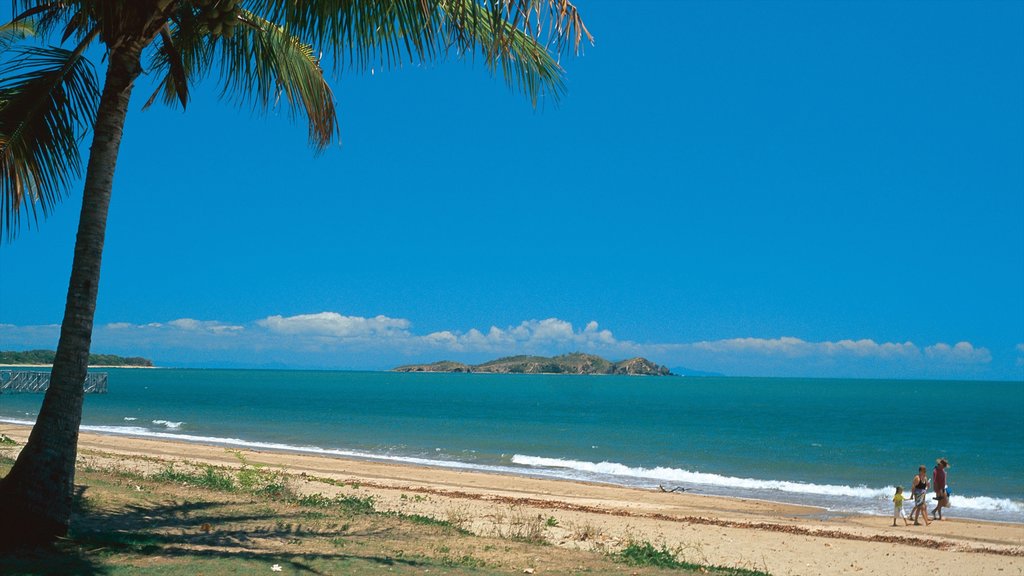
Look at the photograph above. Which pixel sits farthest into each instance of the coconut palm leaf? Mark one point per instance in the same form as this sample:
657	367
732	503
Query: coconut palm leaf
524	62
556	24
362	34
185	56
359	34
44	16
261	64
48	99
14	31
177	75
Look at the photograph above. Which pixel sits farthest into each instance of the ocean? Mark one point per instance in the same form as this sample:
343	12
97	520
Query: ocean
838	444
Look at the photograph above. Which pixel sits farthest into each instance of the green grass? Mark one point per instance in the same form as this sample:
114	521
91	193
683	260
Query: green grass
644	553
430	521
351	504
208	477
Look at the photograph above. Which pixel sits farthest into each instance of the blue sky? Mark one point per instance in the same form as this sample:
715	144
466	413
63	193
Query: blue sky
753	188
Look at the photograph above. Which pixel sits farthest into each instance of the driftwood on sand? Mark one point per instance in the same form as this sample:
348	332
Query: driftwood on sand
676	489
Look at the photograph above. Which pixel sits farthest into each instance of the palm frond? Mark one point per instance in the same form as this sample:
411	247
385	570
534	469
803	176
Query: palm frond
555	24
176	68
46	15
185	55
519	37
261	62
525	63
48	98
14	31
359	34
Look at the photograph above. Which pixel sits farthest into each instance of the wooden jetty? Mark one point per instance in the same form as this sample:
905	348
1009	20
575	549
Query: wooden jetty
29	381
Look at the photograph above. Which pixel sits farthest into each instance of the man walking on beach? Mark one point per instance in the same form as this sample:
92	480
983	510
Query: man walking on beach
939	483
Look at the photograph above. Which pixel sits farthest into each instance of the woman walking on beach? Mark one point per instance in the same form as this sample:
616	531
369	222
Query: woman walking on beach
920	492
939	485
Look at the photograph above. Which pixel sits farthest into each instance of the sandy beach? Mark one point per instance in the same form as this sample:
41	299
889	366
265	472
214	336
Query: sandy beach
777	538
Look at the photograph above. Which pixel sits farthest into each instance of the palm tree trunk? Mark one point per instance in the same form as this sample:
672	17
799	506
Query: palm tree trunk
36	496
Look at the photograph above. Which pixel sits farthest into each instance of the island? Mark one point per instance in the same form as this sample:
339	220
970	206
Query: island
45	358
575	363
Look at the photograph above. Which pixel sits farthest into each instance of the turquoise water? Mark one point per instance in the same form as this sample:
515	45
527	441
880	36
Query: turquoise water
840	444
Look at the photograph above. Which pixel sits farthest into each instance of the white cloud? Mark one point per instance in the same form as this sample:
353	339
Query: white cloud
786	345
530	335
335	325
120	325
182	325
193	325
26	337
443	338
867	347
961	352
330	339
791	347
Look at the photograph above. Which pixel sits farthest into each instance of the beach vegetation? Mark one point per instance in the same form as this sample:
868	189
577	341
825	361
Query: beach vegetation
258	479
458	516
466	560
265	54
518	524
643	553
431	521
551	522
7	440
206	476
585	531
350	504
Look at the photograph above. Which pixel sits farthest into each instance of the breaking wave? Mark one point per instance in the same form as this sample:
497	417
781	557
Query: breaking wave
677	475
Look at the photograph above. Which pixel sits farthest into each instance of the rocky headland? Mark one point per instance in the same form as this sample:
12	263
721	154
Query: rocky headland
576	363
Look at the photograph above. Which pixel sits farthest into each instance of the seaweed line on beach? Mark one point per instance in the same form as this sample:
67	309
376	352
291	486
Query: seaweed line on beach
561	505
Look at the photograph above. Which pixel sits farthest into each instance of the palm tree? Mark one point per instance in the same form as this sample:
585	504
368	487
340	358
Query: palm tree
261	51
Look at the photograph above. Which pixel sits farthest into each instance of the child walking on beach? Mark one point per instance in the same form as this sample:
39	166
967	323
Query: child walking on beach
897	506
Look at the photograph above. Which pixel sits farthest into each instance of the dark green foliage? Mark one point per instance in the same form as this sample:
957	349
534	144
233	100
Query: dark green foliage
208	477
29	357
257	479
352	504
48	98
645	554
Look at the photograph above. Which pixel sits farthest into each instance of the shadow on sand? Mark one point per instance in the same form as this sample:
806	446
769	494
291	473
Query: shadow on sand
168	531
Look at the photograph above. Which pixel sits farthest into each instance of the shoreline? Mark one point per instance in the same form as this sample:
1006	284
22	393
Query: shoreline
727	531
170	435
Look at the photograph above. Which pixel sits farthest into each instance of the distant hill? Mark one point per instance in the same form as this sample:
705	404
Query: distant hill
45	357
575	363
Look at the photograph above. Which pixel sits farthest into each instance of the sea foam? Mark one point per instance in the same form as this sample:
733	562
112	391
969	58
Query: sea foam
678	475
168	424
